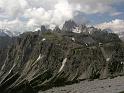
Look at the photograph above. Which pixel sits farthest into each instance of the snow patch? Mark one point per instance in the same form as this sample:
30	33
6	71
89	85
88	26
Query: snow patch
37	29
3	65
73	39
86	44
122	63
63	64
107	59
76	30
43	39
12	68
39	58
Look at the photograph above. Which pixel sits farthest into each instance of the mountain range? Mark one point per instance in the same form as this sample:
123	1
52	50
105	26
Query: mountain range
7	32
49	58
69	25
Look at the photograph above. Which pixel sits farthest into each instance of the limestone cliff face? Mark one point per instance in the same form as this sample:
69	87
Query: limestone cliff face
41	60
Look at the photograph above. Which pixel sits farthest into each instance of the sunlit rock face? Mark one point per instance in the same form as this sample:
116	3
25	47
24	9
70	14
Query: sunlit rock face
44	59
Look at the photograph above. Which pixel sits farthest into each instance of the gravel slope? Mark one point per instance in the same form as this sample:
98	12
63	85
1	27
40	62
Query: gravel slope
115	85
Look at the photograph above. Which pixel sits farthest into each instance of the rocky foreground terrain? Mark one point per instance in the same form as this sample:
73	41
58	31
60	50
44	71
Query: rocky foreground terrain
115	85
48	58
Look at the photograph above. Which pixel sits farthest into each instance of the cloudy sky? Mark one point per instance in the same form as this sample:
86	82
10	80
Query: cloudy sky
21	15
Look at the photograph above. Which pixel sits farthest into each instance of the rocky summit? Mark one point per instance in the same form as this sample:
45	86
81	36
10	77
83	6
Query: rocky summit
37	61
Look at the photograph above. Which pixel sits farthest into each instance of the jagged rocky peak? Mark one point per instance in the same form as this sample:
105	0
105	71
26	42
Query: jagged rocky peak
57	29
2	33
82	28
8	32
69	26
43	28
7	37
108	30
92	29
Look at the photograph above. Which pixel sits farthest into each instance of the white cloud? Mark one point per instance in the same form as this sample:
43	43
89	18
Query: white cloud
116	25
55	12
116	13
62	11
14	25
13	8
97	8
38	12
